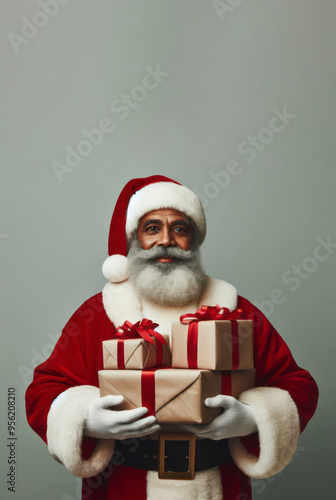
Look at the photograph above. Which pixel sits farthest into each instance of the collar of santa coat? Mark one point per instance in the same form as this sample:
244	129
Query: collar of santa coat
121	302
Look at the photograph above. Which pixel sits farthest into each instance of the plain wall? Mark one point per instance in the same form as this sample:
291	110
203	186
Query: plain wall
228	74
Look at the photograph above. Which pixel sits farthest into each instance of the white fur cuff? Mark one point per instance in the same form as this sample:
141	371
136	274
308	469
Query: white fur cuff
279	430
65	432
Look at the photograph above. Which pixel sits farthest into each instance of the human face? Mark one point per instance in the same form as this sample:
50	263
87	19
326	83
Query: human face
165	227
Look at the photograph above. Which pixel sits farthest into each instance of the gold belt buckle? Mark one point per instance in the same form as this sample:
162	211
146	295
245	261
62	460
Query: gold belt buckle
167	474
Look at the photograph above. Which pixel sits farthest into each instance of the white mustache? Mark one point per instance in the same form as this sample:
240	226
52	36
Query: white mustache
163	252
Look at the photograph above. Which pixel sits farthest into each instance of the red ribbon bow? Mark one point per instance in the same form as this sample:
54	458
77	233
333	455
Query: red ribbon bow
208	313
144	329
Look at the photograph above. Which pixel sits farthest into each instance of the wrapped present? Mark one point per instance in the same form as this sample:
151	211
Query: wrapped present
213	338
136	347
173	395
233	383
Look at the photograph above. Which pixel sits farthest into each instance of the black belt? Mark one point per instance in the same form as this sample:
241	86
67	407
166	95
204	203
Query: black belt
175	456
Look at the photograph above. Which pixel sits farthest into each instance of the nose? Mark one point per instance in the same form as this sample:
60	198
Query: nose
165	238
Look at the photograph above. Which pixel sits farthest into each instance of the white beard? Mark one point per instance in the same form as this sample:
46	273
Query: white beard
169	284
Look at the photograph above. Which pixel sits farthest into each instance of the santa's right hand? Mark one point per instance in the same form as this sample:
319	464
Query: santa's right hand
104	422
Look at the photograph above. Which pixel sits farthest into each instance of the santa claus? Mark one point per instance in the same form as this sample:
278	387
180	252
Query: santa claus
154	271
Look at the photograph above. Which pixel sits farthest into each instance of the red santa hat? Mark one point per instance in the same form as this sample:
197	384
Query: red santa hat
139	197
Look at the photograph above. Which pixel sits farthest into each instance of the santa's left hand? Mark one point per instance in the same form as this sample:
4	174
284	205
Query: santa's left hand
237	420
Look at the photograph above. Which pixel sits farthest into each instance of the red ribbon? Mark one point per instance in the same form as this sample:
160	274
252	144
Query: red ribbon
235	345
148	388
144	329
121	354
148	391
212	313
207	313
192	344
226	383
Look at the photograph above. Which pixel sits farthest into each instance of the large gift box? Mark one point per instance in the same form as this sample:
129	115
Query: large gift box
201	341
173	395
136	347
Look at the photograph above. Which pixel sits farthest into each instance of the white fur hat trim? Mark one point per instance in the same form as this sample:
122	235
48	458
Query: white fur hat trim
164	195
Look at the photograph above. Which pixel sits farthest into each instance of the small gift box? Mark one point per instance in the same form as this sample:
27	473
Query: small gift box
213	338
136	347
172	395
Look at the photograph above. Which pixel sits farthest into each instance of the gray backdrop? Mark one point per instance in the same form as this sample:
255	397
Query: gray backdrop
234	99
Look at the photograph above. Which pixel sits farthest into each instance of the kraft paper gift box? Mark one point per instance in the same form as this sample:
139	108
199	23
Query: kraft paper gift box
173	395
213	345
135	354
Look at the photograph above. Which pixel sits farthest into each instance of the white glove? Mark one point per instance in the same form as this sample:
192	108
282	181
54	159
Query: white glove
237	420
102	422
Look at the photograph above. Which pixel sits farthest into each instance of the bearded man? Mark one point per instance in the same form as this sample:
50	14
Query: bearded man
154	271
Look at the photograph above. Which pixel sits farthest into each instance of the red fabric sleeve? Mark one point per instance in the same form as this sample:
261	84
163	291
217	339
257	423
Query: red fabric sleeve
276	367
75	360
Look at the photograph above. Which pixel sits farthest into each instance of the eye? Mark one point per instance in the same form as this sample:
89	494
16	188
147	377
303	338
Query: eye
180	229
152	229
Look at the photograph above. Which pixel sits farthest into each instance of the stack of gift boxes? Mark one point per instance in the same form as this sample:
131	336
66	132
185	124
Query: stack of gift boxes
210	355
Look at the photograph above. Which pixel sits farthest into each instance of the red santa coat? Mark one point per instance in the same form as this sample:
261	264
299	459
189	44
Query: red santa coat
285	398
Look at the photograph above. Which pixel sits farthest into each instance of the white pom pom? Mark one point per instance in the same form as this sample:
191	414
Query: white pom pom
116	268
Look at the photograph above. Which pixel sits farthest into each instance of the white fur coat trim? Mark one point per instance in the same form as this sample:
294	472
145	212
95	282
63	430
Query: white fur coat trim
207	485
65	432
121	302
279	430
